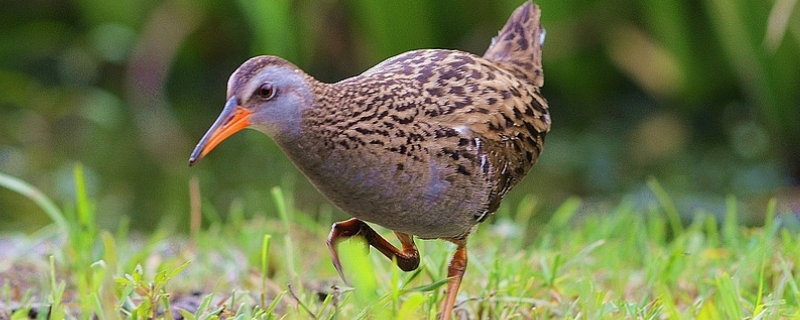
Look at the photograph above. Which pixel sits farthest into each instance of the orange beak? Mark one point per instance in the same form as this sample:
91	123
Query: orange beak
233	119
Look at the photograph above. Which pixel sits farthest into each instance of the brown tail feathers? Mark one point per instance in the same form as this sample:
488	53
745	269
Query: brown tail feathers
518	46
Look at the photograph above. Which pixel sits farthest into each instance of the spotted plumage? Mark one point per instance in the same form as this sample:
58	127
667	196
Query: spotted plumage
426	143
481	126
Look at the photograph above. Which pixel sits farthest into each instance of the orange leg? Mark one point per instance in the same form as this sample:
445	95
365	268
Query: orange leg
455	272
407	258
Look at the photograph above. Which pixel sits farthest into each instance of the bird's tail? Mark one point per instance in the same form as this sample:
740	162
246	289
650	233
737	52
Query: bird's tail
518	46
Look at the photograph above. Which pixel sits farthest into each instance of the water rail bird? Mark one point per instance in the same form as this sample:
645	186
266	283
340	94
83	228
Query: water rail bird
426	143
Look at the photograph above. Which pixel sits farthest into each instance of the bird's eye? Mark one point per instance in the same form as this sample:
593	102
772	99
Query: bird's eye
266	91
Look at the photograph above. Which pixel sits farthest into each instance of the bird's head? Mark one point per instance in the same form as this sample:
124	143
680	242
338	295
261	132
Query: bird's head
265	93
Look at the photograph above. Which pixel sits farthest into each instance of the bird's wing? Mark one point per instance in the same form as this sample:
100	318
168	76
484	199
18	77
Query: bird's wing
508	124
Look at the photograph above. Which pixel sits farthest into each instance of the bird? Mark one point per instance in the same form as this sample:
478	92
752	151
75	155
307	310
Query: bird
426	143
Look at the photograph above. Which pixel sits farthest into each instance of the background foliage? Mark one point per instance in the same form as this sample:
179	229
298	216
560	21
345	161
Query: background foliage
704	95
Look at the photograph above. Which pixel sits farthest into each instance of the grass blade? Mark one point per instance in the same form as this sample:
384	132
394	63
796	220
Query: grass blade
37	197
670	210
565	212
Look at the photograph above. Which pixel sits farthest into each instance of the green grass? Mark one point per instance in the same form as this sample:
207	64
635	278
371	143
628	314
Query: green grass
589	261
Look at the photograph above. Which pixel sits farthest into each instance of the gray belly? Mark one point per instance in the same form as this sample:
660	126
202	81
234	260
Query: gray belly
420	198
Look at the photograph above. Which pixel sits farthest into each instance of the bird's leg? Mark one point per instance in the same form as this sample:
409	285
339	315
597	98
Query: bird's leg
407	258
455	271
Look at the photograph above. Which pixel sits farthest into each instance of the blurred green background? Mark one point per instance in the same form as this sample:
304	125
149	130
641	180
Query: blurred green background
702	95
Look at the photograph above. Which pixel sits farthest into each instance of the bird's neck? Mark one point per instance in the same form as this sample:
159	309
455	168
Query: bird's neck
323	125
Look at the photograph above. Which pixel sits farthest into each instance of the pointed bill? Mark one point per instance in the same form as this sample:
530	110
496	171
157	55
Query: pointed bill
232	120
